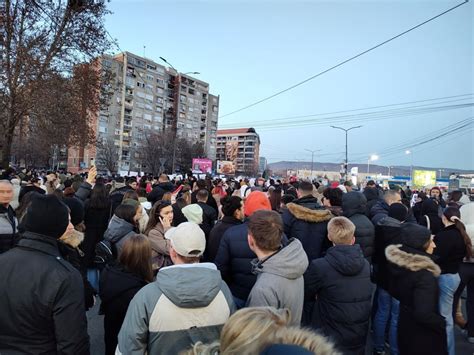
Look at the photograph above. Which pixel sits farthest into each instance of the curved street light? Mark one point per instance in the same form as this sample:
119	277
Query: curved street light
346	130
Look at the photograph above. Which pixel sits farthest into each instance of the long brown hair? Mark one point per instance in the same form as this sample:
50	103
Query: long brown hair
453	215
135	256
155	215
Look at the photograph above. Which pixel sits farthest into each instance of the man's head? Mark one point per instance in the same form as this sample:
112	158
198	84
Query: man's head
348	185
47	215
233	206
163	178
202	196
187	243
341	231
332	197
305	188
392	196
6	192
370	183
398	211
265	230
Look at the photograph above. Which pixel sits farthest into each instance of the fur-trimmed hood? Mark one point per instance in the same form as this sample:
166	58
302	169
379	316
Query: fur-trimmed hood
309	215
73	239
409	261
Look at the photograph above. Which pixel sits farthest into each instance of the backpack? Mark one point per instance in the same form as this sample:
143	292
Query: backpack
106	251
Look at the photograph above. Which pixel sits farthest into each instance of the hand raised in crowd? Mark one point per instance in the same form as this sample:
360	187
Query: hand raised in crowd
92	175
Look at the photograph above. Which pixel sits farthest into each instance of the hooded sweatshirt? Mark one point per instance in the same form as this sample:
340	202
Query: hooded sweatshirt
340	288
118	231
280	281
187	303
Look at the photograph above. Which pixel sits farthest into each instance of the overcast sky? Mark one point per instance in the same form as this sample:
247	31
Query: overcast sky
248	50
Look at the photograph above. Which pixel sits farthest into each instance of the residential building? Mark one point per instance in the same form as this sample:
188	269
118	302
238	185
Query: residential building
241	146
148	97
262	165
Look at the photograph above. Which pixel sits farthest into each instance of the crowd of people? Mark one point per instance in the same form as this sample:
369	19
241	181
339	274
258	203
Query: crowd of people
216	266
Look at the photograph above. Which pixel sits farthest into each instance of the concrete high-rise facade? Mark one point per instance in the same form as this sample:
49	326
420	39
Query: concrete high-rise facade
151	98
241	146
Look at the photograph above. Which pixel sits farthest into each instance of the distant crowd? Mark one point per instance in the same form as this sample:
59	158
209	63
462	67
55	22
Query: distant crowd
232	266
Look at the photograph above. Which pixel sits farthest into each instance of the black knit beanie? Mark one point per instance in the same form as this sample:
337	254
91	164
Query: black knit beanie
398	211
47	215
415	236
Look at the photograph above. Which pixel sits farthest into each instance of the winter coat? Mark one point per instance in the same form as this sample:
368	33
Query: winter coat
216	235
467	217
160	247
187	303
234	260
118	231
430	210
29	188
96	221
354	205
340	285
379	212
178	216
210	201
387	232
8	228
373	196
305	220
70	251
421	329
116	197
209	216
117	288
159	190
450	249
42	300
280	280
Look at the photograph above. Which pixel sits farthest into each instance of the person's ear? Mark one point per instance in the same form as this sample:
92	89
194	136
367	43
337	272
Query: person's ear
251	241
353	240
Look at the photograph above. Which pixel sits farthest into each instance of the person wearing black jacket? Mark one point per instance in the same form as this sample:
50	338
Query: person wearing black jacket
119	282
33	185
200	185
414	282
430	216
339	287
233	210
354	207
307	221
116	196
42	308
164	185
209	214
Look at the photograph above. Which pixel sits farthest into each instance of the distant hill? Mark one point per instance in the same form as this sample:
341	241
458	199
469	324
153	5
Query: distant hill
397	170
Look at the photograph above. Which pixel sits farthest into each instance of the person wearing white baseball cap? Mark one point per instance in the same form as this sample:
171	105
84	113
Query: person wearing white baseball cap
188	302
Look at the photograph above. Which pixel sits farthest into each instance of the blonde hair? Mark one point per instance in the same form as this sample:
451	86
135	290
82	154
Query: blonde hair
340	230
249	330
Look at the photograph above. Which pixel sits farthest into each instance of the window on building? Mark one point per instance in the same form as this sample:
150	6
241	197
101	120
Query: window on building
148	107
147	117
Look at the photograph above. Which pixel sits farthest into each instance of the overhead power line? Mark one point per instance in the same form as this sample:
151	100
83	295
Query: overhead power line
344	62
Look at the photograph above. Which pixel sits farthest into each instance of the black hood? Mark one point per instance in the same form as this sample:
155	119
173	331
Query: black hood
167	186
429	206
354	203
346	259
371	193
309	201
115	280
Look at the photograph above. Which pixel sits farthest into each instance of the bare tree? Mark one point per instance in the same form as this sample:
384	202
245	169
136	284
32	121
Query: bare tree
41	40
186	151
156	146
107	155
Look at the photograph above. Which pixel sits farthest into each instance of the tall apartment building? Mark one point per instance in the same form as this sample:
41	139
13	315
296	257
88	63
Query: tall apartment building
242	146
149	97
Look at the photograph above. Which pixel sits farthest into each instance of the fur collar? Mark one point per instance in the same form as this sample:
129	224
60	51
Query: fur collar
73	239
412	262
309	215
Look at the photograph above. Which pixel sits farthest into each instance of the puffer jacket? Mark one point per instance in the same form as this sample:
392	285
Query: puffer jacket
8	228
354	205
372	195
306	220
118	231
280	280
187	303
42	300
340	290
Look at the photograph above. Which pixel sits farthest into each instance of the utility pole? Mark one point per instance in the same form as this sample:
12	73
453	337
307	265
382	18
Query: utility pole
312	159
346	130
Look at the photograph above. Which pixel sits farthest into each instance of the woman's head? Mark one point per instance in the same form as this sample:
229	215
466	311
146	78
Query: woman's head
452	215
161	209
129	212
99	197
233	206
135	256
130	195
435	192
332	197
250	330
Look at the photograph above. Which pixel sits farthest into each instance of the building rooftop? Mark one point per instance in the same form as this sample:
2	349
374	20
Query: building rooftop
235	131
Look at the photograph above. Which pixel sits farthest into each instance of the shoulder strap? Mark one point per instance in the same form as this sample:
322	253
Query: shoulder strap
428	224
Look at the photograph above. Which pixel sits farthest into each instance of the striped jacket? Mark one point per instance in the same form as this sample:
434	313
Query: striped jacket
186	304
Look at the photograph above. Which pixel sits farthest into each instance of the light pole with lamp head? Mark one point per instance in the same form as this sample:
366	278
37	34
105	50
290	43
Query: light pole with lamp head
409	152
312	159
346	130
175	123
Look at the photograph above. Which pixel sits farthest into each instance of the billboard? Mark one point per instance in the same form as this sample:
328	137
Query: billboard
424	178
202	166
231	150
225	167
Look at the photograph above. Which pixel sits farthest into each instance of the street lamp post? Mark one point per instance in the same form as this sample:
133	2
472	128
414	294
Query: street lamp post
409	152
373	157
346	131
312	159
175	123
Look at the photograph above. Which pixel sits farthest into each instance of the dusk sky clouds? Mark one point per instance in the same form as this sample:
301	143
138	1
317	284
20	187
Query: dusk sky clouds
248	50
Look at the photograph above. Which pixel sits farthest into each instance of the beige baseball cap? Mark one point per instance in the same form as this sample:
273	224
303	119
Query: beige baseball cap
187	239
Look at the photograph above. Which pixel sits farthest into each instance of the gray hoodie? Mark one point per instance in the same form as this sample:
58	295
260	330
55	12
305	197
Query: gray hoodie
118	231
187	303
280	280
